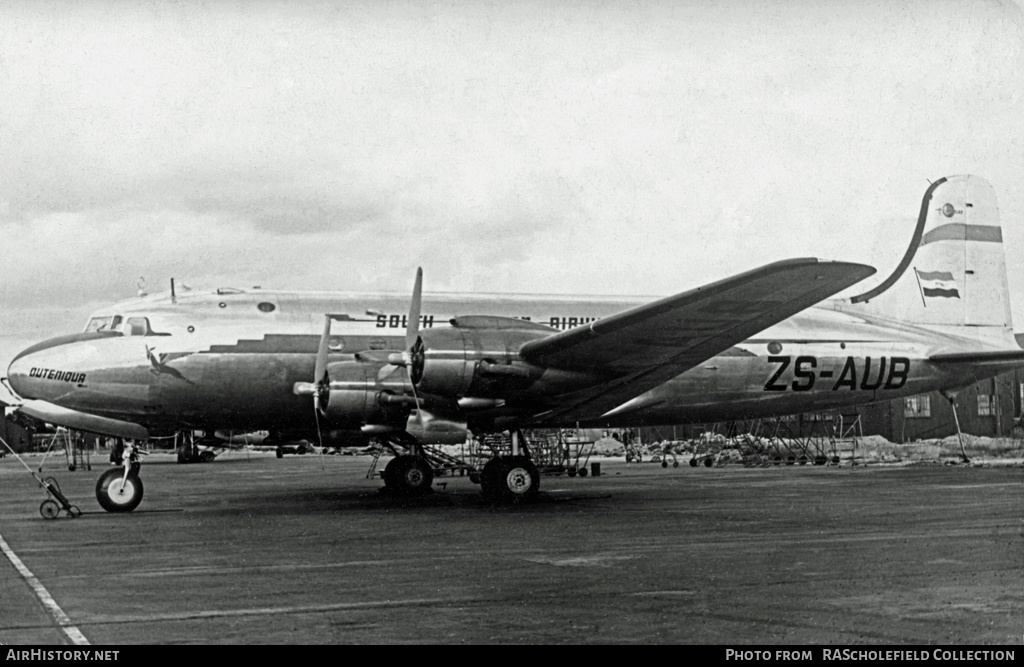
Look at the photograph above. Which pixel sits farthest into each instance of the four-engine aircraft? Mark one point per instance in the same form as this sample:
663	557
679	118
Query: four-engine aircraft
764	342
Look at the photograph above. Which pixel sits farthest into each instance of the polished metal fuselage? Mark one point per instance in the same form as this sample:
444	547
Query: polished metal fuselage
232	360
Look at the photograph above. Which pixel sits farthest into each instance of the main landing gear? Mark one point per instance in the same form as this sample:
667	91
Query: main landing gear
510	476
120	489
512	479
408	475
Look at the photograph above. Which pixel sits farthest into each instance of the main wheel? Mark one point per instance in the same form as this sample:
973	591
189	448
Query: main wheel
521	479
490	478
117	494
408	475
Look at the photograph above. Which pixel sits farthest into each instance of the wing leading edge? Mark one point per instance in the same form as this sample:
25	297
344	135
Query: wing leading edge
643	347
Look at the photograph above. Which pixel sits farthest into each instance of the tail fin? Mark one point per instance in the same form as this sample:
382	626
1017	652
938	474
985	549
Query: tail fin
954	272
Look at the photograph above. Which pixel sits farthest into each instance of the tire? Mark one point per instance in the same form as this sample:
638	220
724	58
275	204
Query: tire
49	509
490	478
112	497
417	477
390	474
408	475
520	481
693	463
280	453
708	462
207	457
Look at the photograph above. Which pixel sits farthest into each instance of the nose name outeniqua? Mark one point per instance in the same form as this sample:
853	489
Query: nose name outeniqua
46	369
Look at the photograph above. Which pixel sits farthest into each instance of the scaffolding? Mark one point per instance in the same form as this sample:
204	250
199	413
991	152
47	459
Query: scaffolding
553	451
77	451
825	438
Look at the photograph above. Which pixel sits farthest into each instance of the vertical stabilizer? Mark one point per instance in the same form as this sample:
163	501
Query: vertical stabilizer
954	272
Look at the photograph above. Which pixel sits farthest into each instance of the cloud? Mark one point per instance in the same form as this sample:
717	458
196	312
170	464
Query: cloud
616	149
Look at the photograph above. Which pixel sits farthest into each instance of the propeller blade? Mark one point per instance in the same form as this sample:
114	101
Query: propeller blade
321	353
412	331
416	397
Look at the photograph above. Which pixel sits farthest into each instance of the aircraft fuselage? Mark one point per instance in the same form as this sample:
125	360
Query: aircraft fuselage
232	360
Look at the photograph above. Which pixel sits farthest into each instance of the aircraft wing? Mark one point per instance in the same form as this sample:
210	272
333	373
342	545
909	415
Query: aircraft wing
644	347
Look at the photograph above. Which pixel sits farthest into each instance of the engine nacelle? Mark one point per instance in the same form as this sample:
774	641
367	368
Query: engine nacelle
479	357
356	398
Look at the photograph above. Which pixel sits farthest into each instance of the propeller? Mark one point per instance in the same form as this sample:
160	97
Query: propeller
321	383
320	387
321	380
412	355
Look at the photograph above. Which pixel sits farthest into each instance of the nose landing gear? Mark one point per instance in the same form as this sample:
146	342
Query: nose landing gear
117	491
120	489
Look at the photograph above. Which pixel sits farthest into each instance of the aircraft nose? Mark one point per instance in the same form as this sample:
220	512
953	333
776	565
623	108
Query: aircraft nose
45	368
18	375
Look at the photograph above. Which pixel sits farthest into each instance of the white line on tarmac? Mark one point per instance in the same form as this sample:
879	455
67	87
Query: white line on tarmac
266	611
73	633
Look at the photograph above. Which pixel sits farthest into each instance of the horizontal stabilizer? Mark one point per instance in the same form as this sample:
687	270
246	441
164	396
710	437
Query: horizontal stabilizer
58	416
1000	357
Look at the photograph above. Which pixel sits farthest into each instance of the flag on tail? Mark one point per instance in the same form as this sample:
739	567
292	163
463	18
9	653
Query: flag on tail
937	283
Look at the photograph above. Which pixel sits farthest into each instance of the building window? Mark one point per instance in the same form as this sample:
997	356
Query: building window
917	407
986	405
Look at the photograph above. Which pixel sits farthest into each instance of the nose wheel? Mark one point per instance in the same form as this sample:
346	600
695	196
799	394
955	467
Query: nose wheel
118	490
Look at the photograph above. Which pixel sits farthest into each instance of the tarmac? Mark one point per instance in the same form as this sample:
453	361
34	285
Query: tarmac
251	549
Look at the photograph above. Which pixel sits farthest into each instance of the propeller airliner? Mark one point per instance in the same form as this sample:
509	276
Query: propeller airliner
769	341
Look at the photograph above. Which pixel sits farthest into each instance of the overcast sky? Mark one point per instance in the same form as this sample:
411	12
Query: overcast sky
588	147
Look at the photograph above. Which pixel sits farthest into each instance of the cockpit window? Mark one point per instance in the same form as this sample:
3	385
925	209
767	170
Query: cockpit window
108	323
136	326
